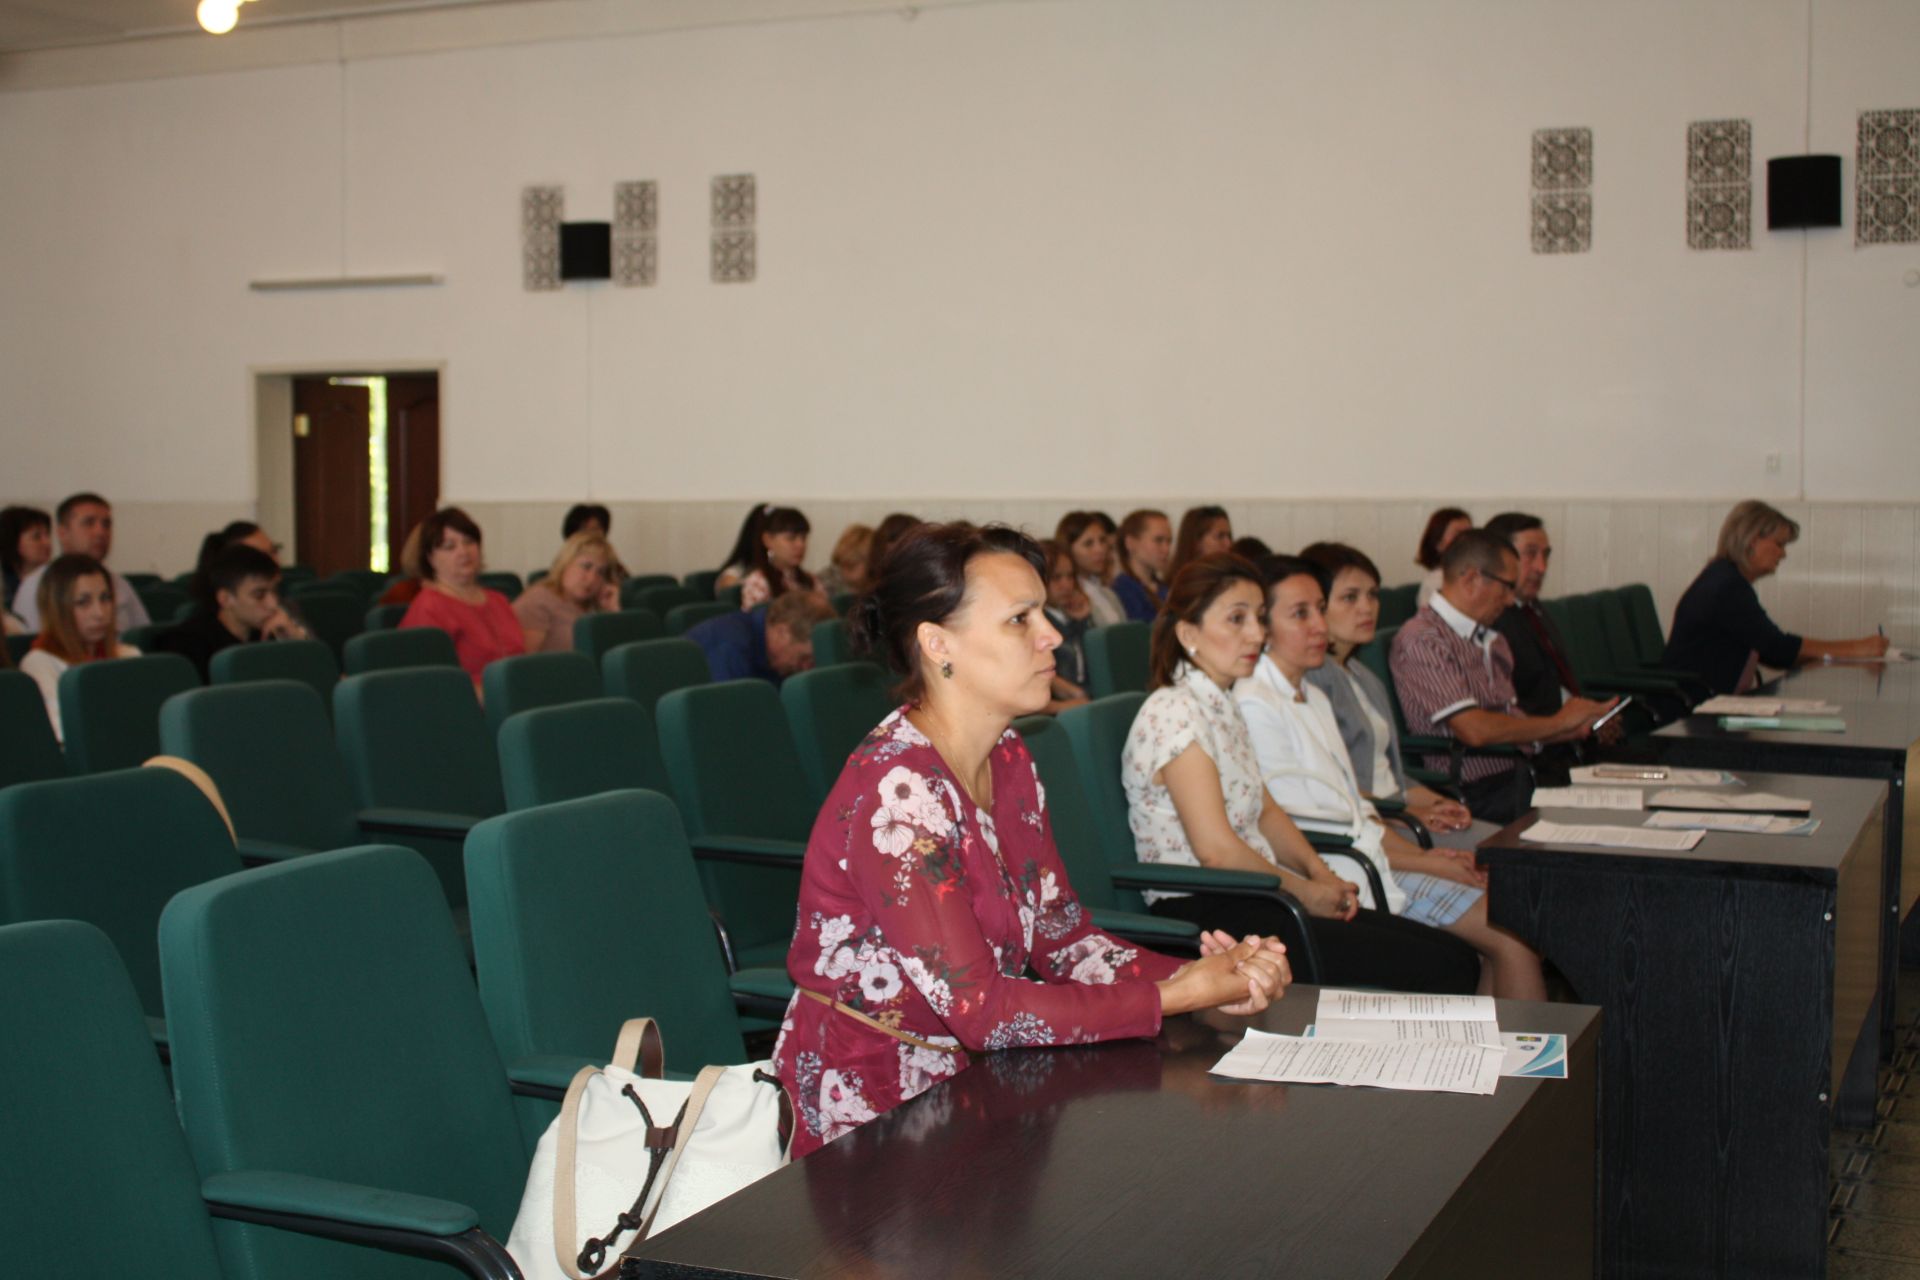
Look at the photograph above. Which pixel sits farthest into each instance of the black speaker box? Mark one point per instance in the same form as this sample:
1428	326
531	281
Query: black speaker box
586	251
1803	191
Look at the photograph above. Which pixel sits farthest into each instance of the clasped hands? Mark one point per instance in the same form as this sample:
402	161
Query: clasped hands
1236	977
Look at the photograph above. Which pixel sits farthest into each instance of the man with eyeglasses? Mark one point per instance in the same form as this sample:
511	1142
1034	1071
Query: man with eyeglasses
1454	672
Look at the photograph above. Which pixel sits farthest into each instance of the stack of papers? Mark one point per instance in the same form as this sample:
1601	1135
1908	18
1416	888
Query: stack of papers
1755	824
1587	798
1792	724
1726	705
1735	801
1636	775
1545	832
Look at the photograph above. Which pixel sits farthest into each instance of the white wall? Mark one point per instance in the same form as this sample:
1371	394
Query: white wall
1008	252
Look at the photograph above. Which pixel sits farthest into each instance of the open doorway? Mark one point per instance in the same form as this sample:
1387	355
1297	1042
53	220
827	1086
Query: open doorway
349	462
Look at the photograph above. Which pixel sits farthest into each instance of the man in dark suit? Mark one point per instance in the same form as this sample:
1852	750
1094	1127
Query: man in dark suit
1543	675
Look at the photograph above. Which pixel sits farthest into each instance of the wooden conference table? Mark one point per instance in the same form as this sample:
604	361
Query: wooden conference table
1736	981
1128	1159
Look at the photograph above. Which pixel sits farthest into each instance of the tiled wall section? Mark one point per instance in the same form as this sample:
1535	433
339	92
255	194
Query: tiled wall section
1856	565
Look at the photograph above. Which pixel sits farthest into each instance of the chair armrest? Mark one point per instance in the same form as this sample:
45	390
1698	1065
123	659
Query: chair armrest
1414	827
1334	847
545	1075
1158	931
417	822
764	991
259	852
1174	878
756	850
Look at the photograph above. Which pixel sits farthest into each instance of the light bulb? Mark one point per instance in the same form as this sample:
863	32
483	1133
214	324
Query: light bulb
218	16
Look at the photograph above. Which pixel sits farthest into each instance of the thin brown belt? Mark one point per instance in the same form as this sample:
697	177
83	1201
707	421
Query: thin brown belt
876	1024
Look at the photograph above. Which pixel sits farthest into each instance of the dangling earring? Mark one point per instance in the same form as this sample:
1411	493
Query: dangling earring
946	671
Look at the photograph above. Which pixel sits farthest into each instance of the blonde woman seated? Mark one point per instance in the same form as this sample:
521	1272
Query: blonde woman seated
580	582
1304	764
846	571
1195	797
77	624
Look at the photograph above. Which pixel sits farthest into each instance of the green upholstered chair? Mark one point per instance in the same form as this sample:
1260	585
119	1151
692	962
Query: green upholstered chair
743	793
644	670
700	582
550	887
18	646
579	749
294	575
91	1139
163	600
537	680
110	849
146	639
385	617
639	582
1098	732
416	740
138	580
833	644
1397	604
843	601
110	711
598	634
1634	641
729	596
507	584
368	584
659	598
309	661
831	709
1117	658
1649	641
1077	837
394	649
28	750
684	617
333	1059
331	614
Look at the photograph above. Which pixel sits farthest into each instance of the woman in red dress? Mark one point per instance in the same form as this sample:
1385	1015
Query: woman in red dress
483	625
935	915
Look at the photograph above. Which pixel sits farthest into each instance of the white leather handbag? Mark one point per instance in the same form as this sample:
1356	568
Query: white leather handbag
631	1153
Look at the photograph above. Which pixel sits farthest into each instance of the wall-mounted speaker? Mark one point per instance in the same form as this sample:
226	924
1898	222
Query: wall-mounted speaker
1803	191
586	251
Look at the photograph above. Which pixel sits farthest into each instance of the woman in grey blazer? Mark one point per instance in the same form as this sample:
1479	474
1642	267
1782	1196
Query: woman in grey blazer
1362	706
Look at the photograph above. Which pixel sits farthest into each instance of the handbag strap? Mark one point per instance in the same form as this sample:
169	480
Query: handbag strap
876	1024
639	1045
689	1121
640	1048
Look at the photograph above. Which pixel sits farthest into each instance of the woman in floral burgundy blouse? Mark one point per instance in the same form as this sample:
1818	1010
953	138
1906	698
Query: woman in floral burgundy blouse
932	887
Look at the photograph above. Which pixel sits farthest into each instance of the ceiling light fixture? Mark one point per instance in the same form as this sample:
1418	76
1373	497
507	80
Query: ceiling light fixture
218	16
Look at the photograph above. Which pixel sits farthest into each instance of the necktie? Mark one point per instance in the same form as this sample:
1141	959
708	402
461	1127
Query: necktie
1537	623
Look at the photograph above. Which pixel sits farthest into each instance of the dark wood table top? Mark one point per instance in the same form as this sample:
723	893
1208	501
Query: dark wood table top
1123	1159
1880	702
1843	806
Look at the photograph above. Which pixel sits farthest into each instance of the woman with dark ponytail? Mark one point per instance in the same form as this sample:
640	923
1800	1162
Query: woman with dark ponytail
776	560
932	894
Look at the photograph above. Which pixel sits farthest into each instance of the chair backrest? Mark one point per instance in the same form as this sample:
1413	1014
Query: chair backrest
661	598
507	584
644	670
1098	732
329	1027
833	645
831	709
548	888
641	581
1616	630
110	849
1397	604
17	646
530	680
1579	624
392	650
162	600
89	1128
1376	656
416	739
579	749
700	582
268	746
332	614
28	750
365	583
146	639
731	756
842	602
730	596
310	662
683	617
1076	834
138	580
385	617
598	634
1117	658
1649	641
110	711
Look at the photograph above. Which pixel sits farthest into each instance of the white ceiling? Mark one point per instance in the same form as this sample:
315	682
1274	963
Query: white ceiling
48	24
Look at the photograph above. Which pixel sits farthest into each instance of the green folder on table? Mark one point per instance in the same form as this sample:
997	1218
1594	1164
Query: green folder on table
1792	724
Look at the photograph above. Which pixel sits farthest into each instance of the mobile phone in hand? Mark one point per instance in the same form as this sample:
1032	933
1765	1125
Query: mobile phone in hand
1618	707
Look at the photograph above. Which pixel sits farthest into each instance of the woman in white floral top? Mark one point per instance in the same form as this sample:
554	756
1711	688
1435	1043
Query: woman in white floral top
774	567
935	916
1195	796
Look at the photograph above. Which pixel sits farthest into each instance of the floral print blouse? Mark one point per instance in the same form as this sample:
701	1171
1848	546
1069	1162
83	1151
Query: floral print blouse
1192	710
927	914
755	591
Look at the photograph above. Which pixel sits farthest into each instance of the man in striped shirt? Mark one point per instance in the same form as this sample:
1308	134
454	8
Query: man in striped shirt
1454	675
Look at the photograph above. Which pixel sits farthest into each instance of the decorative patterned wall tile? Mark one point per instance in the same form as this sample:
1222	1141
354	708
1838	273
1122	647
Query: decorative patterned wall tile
1562	159
1720	217
1562	190
735	244
1719	151
1720	184
636	220
1889	143
542	209
1887	211
733	201
1887	161
1563	222
733	257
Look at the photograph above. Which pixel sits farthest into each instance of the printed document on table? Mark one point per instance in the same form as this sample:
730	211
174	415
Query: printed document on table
1544	832
1403	1006
1385	1031
1732	802
1587	798
1642	775
1757	824
1439	1066
1728	705
1528	1053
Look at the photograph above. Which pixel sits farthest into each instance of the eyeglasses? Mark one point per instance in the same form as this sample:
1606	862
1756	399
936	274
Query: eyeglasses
1509	583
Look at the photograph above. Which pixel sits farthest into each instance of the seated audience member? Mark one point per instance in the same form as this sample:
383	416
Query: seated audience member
1250	549
745	544
1204	531
846	571
85	525
1195	797
26	543
78	624
1360	701
1454	674
777	560
762	644
238	533
1072	616
1144	547
241	605
1721	632
1443	526
580	582
403	589
901	979
586	517
1304	763
1542	673
889	531
481	622
1088	538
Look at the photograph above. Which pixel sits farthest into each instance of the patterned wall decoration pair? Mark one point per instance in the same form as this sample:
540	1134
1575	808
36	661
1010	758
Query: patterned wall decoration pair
635	233
1720	184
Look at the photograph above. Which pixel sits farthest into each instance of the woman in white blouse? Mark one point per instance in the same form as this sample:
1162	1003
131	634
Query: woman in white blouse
78	624
1195	797
1088	538
1306	770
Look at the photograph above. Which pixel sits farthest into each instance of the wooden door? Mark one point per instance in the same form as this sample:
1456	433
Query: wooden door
413	455
332	507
